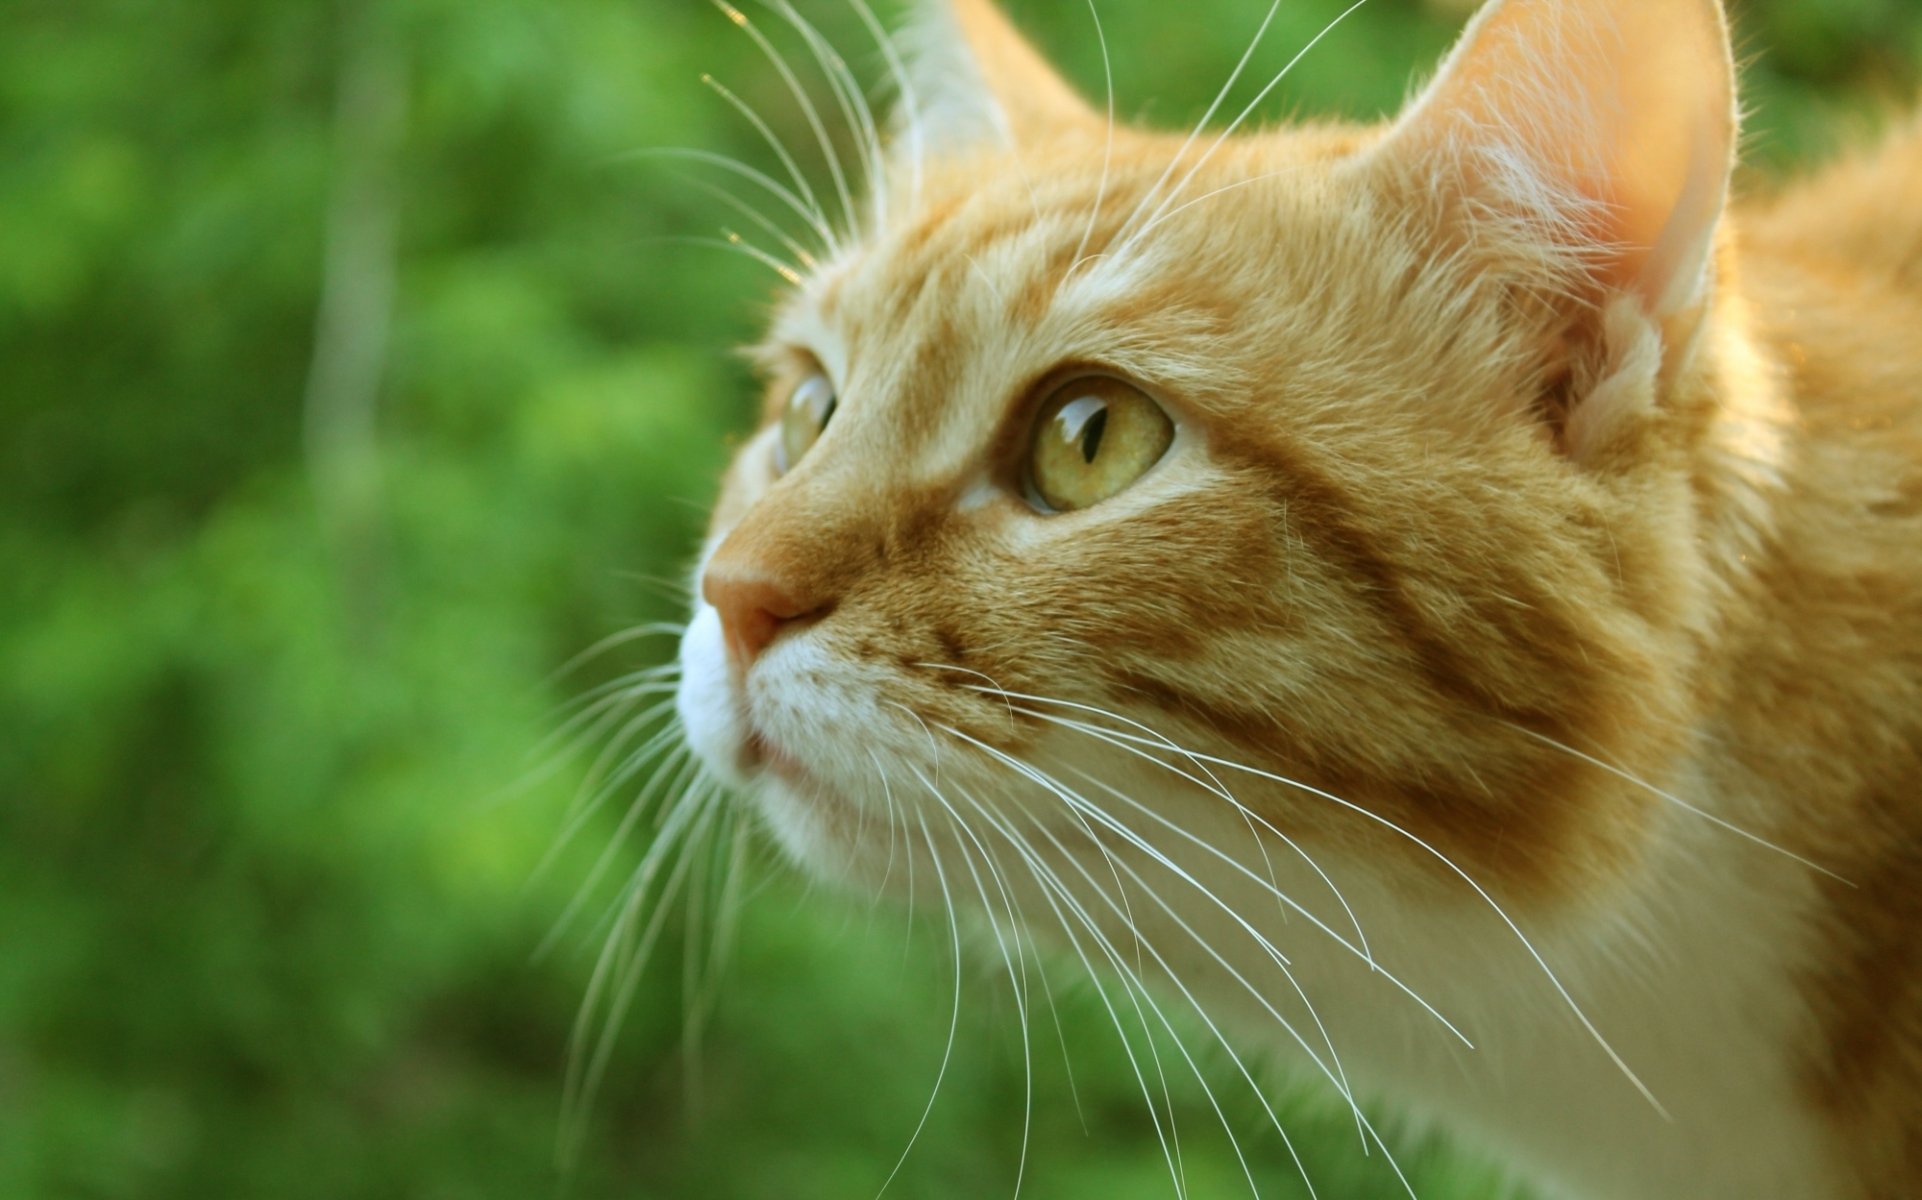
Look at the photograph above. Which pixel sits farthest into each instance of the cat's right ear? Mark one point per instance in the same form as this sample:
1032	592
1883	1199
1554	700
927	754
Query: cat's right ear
971	80
1602	131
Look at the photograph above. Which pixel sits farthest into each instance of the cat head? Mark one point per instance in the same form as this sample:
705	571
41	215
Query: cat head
1330	478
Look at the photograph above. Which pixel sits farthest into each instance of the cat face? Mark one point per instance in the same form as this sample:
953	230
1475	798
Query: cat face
1326	484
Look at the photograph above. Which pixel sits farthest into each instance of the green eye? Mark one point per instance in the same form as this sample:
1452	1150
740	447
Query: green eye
808	411
1095	436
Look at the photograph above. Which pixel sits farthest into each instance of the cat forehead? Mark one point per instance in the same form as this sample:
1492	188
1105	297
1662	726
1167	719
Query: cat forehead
1123	258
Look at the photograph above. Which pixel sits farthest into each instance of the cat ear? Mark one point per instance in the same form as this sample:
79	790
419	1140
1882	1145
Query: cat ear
1606	125
973	79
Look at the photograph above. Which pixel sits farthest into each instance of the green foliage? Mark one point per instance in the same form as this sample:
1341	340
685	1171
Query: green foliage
271	664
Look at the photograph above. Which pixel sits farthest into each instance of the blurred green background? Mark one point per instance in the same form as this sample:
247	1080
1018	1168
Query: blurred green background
354	375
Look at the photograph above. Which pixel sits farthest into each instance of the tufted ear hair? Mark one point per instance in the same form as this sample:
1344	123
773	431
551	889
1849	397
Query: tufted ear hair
1607	127
972	79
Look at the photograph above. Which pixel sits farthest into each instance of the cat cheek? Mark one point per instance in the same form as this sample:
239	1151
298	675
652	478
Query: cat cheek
705	700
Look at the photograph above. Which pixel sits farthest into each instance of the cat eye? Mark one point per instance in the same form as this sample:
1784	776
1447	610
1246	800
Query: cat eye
1095	436
809	409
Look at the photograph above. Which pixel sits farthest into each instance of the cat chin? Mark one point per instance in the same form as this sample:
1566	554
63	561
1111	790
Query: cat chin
820	833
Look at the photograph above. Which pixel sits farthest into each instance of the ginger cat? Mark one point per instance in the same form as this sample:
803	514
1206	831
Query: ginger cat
1441	599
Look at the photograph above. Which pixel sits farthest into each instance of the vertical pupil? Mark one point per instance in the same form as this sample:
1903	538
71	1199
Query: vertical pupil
827	412
1091	434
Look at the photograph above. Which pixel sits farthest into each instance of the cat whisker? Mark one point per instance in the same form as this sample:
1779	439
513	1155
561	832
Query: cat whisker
806	103
735	243
910	101
732	840
1107	153
1286	900
1236	124
1337	1075
622	961
1122	741
645	677
693	916
1678	802
1280	960
801	254
814	219
1248	816
773	141
852	102
933	745
677	775
1234	77
583	807
609	768
598	708
557	749
1167	971
894	824
1132	745
954	1018
1052	890
997	688
672	629
1528	945
979	272
1212	783
1017	984
676	589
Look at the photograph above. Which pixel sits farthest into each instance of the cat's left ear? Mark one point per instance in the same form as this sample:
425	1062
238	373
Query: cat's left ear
972	79
1605	126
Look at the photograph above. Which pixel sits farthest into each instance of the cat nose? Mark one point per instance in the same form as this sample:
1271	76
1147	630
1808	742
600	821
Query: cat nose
755	606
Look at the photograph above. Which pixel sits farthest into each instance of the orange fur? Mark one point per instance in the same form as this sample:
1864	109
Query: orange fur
1525	501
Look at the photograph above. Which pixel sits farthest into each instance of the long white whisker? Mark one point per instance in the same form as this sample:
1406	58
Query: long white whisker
1233	77
760	179
1046	874
560	747
1548	972
1249	816
1677	801
808	112
1213	783
851	101
652	629
1332	1069
620	963
1132	987
1337	1075
954	1018
909	99
585	806
1119	740
1252	105
1016	983
1107	153
773	141
667	780
803	257
619	708
735	243
993	686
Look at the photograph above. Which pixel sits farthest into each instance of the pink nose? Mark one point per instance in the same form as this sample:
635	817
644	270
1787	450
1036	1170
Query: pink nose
755	607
